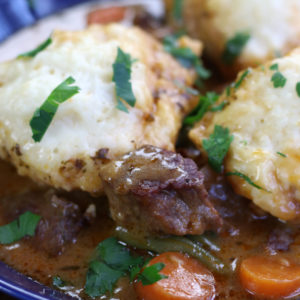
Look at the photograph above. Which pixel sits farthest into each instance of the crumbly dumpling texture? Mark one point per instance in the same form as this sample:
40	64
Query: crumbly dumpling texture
273	25
88	128
265	123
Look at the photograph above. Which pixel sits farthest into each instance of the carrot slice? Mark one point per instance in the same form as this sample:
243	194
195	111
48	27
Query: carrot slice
271	277
106	15
187	280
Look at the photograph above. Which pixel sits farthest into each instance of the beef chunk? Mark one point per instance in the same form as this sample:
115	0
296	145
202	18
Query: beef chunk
158	191
60	223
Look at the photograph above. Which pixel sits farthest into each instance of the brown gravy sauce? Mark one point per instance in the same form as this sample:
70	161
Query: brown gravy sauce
246	232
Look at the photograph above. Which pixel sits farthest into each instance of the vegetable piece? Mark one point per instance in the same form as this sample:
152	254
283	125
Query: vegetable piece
270	277
37	50
113	262
234	47
43	116
106	15
177	244
217	146
246	178
151	274
187	279
278	80
205	241
16	230
274	67
204	105
122	76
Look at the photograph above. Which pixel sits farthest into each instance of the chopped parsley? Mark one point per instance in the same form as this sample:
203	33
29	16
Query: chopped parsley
17	229
43	116
204	105
187	89
278	80
122	77
37	50
241	79
298	89
186	57
281	154
219	107
234	47
217	146
246	178
113	262
177	10
274	67
58	282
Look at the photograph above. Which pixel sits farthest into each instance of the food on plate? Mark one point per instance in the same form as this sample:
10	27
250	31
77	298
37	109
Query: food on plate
158	191
240	33
71	80
262	115
129	207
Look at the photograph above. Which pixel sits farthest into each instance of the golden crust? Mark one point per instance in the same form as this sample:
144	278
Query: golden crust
88	129
264	121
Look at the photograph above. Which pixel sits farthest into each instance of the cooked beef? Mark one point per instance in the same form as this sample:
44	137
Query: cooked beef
60	223
158	191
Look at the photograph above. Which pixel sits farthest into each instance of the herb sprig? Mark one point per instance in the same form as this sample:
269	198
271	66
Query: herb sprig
122	79
277	78
37	50
217	146
17	229
113	262
44	115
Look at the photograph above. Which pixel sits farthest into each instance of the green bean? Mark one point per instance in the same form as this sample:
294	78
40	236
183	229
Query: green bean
178	244
205	241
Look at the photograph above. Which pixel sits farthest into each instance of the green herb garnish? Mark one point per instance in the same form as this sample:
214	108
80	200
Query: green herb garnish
246	178
17	229
217	146
234	47
219	107
241	79
278	80
298	89
122	79
43	116
58	282
281	154
204	105
177	10
37	50
151	274
186	57
113	262
274	67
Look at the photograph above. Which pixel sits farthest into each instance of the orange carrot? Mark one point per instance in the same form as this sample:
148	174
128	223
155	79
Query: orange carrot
270	277
106	15
187	280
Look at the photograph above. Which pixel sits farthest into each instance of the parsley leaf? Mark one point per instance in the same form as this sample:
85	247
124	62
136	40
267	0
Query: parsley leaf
122	77
246	178
298	89
177	10
37	50
43	116
234	47
278	80
113	262
58	282
281	154
185	56
151	274
217	146
274	67
204	104
16	230
241	79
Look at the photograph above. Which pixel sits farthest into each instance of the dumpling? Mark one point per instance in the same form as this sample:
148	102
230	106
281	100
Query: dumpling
88	129
263	116
273	27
